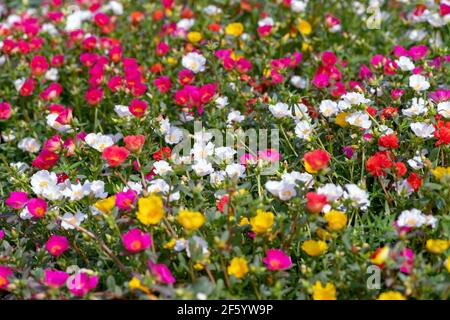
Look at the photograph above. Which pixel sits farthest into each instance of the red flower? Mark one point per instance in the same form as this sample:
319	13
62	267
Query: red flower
134	143
38	66
316	160
138	107
45	160
222	203
415	181
163	84
315	202
115	155
163	153
94	96
378	163
388	141
400	169
442	132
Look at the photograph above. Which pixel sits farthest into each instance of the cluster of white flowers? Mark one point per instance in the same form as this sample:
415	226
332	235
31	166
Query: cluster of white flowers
414	218
286	188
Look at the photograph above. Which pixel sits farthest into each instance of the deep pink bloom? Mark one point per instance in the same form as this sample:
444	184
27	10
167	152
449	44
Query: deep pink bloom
45	160
138	107
440	95
185	76
277	260
52	92
5	272
93	96
5	110
56	245
81	283
2	234
399	51
328	58
163	84
397	93
321	80
135	240
162	272
38	65
269	155
247	158
125	199
55	278
17	199
37	207
418	52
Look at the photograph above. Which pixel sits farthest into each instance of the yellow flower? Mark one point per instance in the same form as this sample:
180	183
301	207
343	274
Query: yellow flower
194	36
324	293
171	60
437	246
380	255
262	222
150	210
135	283
323	234
190	220
336	219
440	172
308	167
391	295
447	263
234	29
199	266
244	221
106	205
306	47
238	267
170	244
340	119
304	27
314	248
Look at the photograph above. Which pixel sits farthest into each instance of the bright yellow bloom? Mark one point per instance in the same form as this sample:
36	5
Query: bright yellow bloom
380	255
336	219
170	244
106	205
234	29
171	60
135	284
304	27
308	167
440	172
324	293
340	119
306	47
262	222
190	220
314	248
199	266
244	221
391	295
194	36
238	267
447	263
437	246
150	210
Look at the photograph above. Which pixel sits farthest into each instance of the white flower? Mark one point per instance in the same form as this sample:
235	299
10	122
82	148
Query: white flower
294	176
235	116
298	82
122	111
19	83
19	166
359	119
300	112
52	74
164	126
69	221
331	191
354	98
418	107
185	24
221	102
98	141
217	177
135	186
383	129
98	189
25	214
42	180
303	130
422	130
328	108
8	136
266	22
174	135
224	154
162	167
194	62
413	218
51	122
418	82
280	110
403	188
405	63
29	145
212	10
202	168
359	197
202	150
77	191
158	185
444	109
235	170
431	221
298	6
281	189
416	163
116	7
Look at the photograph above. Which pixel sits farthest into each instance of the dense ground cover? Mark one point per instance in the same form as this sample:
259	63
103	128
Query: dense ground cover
102	196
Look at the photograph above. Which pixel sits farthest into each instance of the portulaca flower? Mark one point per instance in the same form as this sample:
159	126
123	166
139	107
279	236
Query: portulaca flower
298	6
357	196
304	129
405	63
174	135
202	168
422	129
116	7
42	180
294	176
418	107
359	119
332	191
235	116
235	170
224	154
29	145
418	82
162	167
135	186
77	191
69	220
202	150
413	218
298	82
212	10
98	189
300	112
266	22
217	177
158	186
122	111
52	74
194	62
222	102
280	110
51	122
185	24
444	109
281	189
328	108
98	141
354	98
403	188
19	83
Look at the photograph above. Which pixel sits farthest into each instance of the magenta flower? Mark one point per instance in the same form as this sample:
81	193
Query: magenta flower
55	278
37	207
247	158
2	234
56	245
135	240
17	199
81	283
407	256
348	151
125	199
162	272
5	272
269	155
277	260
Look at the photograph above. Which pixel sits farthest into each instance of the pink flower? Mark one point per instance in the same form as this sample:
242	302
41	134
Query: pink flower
93	96
81	283
5	110
328	58
247	158
55	278
418	52
269	155
162	84
5	272
407	256
321	80
56	245
17	199
37	207
277	260
138	107
2	234
162	272
125	199
53	91
135	240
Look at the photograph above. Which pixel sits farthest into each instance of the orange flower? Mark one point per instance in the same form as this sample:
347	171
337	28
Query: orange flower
316	160
134	143
115	155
